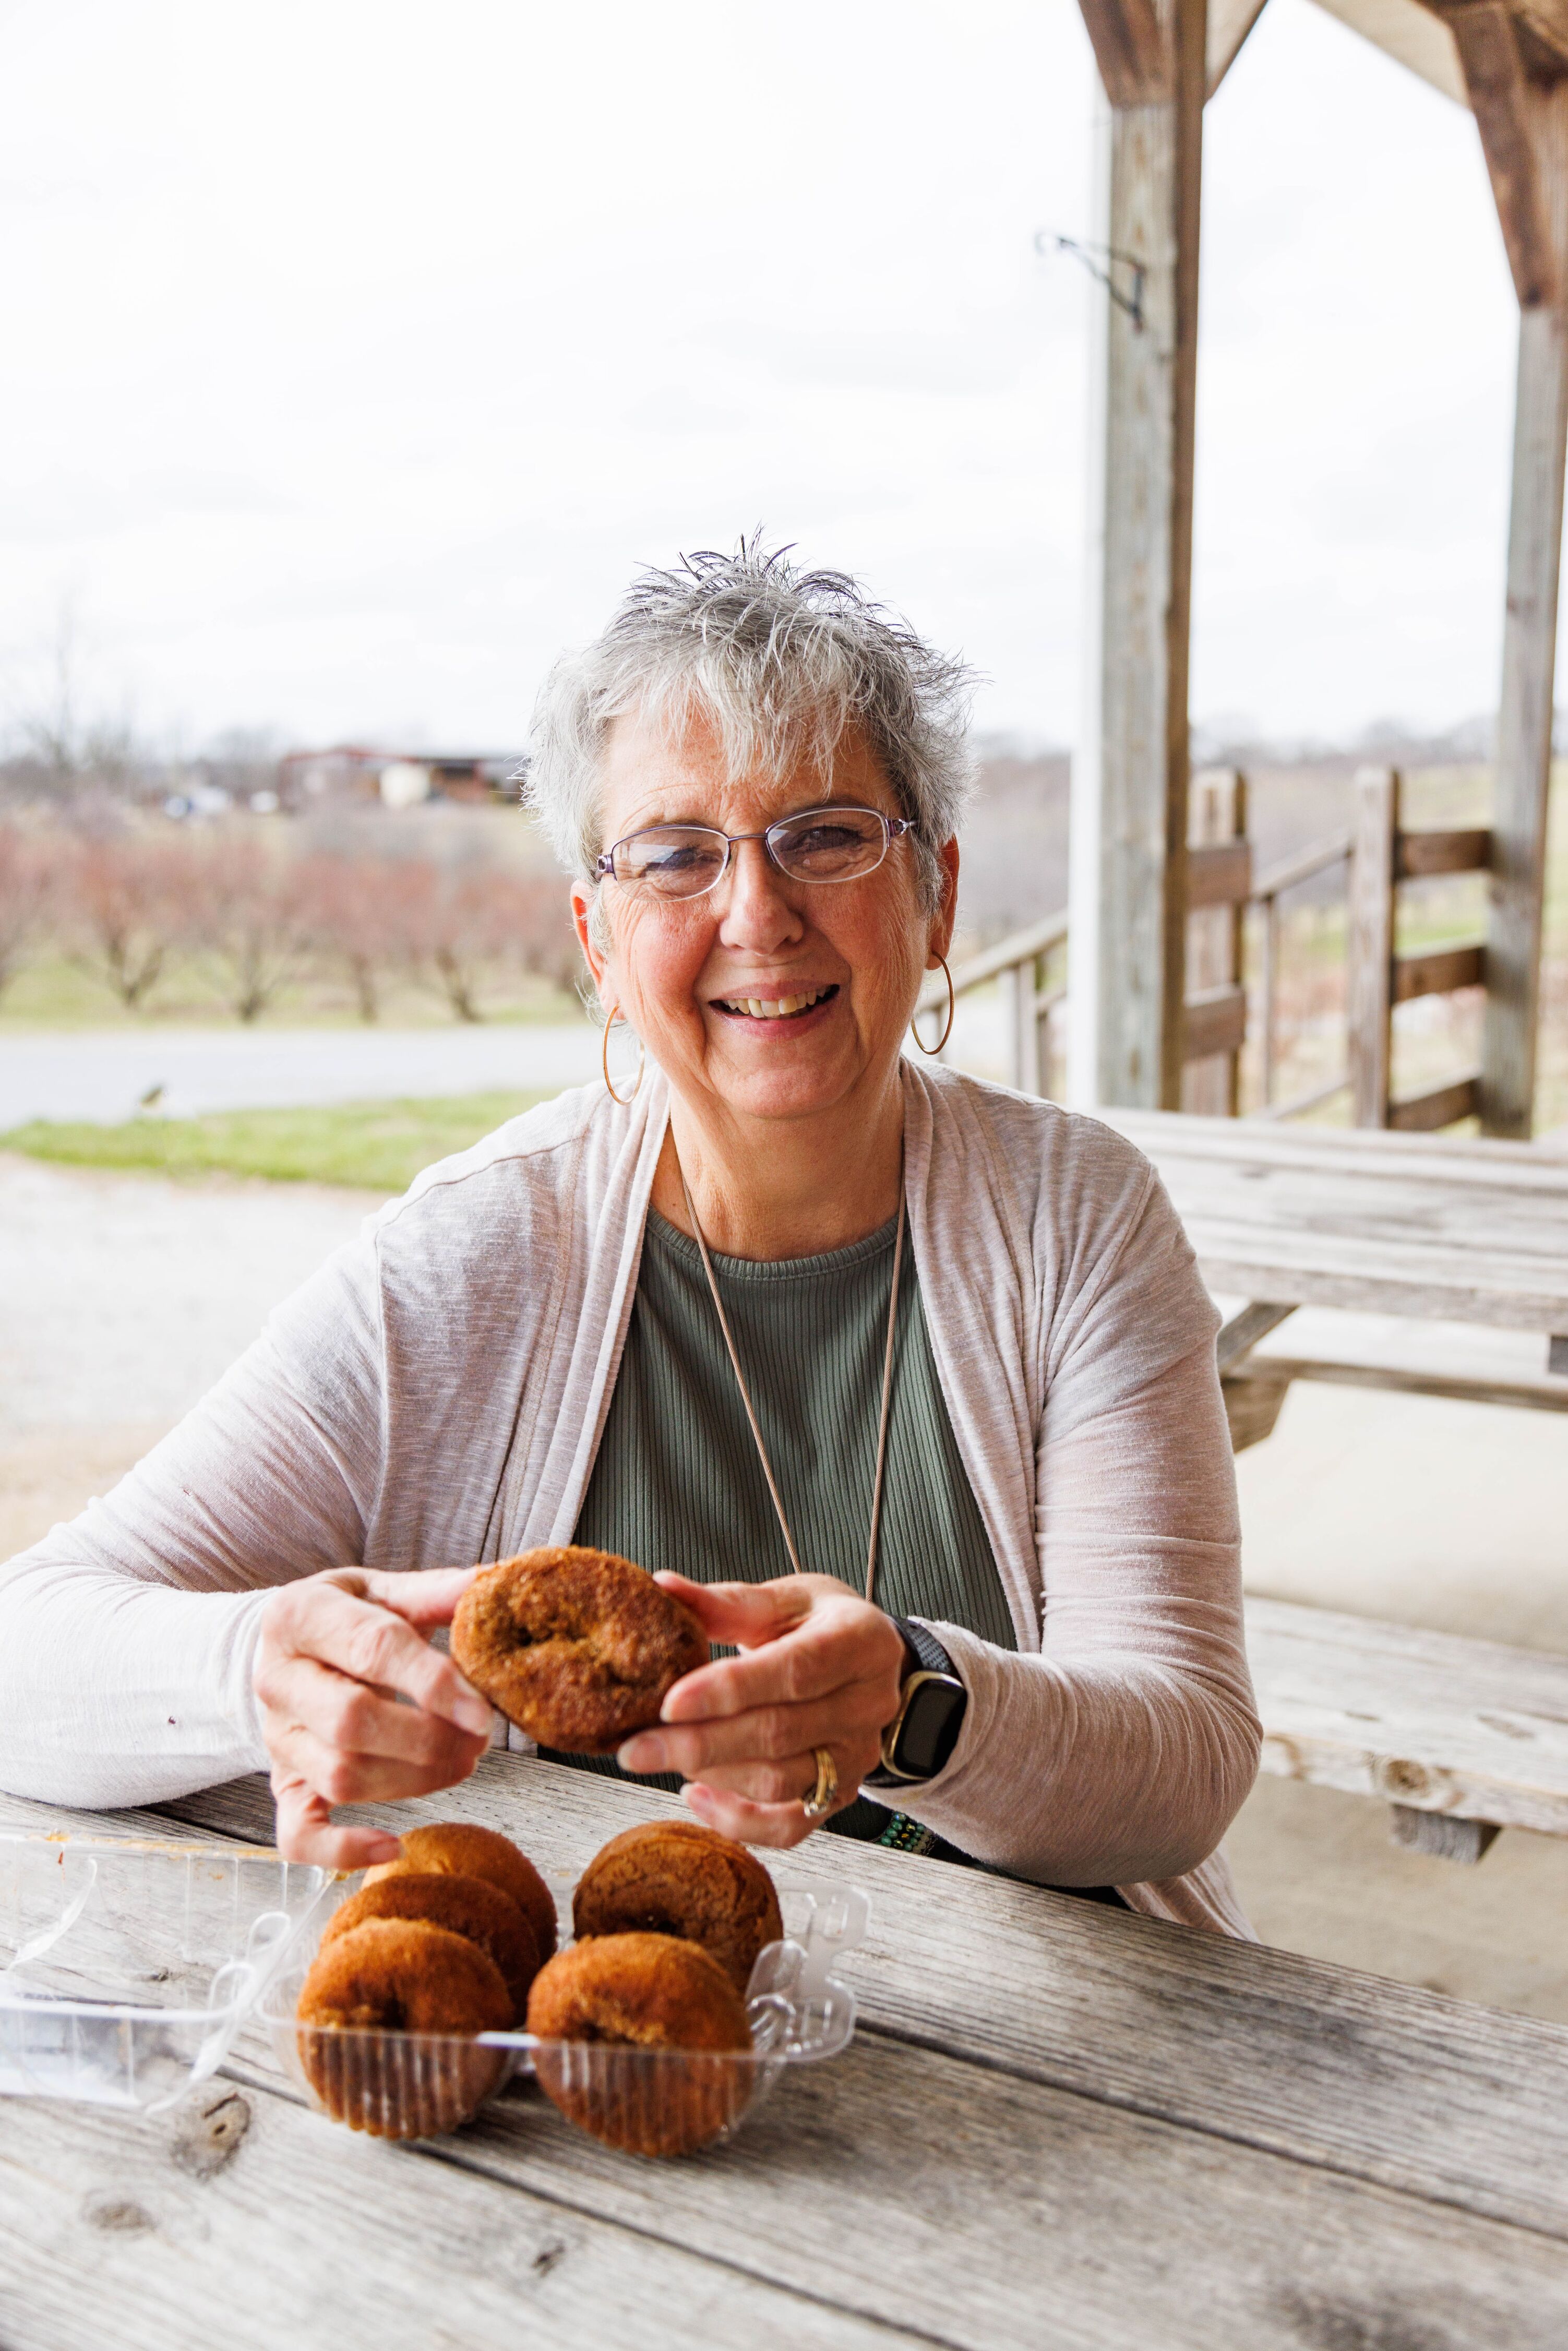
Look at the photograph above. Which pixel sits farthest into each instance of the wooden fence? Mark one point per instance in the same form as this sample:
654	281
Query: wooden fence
1224	895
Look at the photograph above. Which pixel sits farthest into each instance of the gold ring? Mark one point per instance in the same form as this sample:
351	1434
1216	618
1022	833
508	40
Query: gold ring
821	1802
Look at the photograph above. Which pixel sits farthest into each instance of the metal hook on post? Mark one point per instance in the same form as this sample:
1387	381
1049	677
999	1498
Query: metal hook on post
1092	256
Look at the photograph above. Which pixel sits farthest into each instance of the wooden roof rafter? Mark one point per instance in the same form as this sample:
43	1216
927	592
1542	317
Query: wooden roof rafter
1512	53
1135	53
1133	49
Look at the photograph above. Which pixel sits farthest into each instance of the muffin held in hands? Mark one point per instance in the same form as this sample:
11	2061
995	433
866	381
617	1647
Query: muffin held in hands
576	1647
676	1877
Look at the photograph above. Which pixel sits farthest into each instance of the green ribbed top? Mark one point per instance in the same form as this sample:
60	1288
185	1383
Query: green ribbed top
677	1483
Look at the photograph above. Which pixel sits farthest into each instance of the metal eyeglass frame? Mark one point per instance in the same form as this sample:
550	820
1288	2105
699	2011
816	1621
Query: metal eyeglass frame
894	827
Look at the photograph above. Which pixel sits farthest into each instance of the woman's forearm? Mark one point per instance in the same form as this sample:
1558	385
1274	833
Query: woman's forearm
1119	1754
1104	1773
118	1692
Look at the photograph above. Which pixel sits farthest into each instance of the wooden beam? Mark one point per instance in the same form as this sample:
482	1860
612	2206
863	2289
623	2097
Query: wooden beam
1220	876
1444	1106
1370	977
1215	1023
1410	34
1443	1835
1529	667
1545	22
1517	1395
1500	98
1131	48
1251	1324
1418	856
1129	780
1218	882
1230	22
1439	973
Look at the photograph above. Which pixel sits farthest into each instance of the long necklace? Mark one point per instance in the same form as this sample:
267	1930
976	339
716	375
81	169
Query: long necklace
746	1393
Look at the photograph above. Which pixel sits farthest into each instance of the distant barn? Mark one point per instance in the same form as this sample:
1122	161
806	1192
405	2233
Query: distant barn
398	779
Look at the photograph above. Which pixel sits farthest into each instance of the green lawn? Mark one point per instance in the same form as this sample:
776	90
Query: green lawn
52	991
379	1145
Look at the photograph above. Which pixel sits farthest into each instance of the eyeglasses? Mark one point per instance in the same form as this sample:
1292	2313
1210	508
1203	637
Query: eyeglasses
820	844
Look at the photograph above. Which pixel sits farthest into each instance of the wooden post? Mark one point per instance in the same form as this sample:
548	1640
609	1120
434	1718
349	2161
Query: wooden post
1270	990
1369	950
1529	657
1515	65
1216	816
1130	794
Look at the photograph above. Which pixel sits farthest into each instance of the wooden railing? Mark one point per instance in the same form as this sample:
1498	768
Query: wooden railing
1379	977
1322	857
1378	854
1021	964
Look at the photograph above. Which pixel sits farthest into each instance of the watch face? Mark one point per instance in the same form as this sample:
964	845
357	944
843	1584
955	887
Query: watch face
930	1727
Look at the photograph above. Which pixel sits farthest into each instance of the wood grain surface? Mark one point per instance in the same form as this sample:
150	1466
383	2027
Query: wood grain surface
1398	1224
988	2208
1059	2125
1425	1720
1381	2080
280	2231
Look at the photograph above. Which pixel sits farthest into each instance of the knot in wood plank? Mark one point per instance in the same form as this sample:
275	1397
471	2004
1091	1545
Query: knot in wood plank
208	2136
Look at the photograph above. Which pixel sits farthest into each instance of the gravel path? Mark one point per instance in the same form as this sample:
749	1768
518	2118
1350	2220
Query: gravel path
125	1297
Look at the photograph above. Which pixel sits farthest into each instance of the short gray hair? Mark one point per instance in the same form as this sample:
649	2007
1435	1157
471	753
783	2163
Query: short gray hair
780	663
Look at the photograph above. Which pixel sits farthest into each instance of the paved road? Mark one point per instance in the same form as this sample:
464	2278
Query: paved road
101	1075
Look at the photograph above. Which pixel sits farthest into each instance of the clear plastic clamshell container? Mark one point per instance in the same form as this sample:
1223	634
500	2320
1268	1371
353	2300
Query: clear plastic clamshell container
126	1967
645	2100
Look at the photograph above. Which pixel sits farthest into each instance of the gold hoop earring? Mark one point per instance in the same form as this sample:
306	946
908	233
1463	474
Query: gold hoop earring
932	1050
625	1101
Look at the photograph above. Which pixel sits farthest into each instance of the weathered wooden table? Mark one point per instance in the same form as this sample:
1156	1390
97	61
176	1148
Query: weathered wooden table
1467	1231
1460	1737
1057	2126
1416	1225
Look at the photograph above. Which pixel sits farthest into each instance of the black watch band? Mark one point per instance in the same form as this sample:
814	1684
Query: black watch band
929	1655
932	1706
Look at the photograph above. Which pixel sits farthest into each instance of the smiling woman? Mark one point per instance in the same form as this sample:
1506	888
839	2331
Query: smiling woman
905	1384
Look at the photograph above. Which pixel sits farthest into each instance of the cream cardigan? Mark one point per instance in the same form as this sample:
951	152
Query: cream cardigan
435	1395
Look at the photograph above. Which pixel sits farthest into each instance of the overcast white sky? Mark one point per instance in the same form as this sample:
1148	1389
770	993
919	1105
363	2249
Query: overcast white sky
356	351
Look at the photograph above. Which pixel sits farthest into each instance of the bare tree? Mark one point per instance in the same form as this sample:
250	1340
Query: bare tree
466	924
127	904
71	746
365	912
26	890
251	917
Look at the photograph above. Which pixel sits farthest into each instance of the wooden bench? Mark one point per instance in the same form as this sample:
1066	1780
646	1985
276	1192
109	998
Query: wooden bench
1463	1737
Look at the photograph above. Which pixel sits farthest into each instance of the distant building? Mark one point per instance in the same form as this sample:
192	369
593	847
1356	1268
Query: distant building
398	779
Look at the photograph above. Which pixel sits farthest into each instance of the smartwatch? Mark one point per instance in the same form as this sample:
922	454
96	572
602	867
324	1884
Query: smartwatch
932	1702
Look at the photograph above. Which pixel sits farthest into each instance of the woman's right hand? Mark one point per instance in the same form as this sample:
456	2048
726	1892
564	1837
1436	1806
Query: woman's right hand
336	1652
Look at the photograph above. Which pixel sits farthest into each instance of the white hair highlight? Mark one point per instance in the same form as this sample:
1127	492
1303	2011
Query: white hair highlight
779	664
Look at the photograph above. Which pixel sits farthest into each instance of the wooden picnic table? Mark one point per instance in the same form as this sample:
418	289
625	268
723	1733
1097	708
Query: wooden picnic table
1058	2124
1416	1225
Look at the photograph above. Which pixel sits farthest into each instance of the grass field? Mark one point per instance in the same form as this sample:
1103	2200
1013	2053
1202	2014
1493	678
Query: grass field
380	1146
51	991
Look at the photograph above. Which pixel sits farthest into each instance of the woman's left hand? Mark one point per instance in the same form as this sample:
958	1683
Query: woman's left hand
820	1667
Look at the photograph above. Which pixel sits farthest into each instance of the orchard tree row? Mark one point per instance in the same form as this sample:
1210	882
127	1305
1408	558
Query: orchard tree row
127	904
